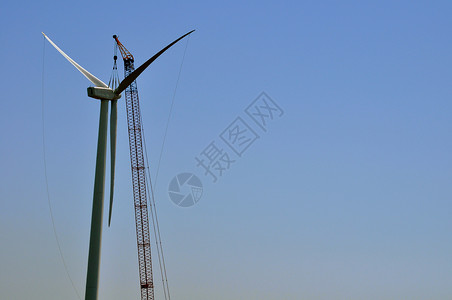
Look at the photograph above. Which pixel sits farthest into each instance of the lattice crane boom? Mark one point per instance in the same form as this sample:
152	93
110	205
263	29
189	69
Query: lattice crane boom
129	85
138	177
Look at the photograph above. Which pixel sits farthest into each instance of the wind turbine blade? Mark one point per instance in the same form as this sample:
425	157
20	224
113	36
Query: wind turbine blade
113	126
131	78
96	81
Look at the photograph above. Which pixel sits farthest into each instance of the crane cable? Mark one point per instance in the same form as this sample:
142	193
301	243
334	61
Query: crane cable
151	197
155	226
46	177
170	112
114	77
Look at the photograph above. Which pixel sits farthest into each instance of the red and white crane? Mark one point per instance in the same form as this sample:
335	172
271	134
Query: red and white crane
139	173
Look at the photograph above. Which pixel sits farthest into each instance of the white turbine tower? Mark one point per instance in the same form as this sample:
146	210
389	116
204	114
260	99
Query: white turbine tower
105	94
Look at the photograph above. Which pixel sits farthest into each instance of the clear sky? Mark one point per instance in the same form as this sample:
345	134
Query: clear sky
347	195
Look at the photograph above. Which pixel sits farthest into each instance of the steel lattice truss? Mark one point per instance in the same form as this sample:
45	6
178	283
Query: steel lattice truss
139	185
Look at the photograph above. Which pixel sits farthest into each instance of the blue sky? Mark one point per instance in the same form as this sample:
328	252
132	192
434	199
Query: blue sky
346	196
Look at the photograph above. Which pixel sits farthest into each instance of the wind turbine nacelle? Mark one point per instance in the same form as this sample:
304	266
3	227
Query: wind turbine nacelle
102	93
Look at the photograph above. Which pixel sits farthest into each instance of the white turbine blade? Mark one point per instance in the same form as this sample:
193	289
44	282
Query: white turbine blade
96	81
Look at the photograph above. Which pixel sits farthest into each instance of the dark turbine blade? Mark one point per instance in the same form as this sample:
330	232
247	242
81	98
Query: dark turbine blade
113	125
129	79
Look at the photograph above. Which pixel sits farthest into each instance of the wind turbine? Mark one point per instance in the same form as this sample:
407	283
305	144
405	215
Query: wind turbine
105	94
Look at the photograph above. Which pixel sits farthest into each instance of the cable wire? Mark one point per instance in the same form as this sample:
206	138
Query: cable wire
170	114
156	227
46	177
150	193
153	209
